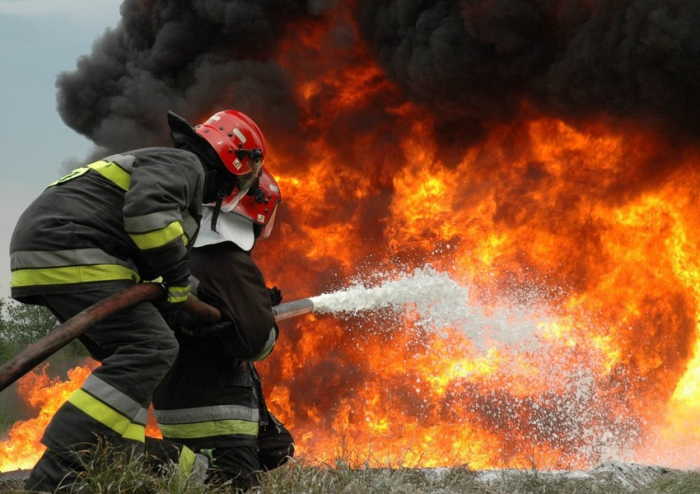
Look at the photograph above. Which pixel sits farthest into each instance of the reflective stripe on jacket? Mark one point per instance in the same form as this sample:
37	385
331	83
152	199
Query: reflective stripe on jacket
127	217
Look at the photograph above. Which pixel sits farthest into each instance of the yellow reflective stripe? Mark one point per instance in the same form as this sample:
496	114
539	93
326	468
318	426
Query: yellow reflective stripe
209	429
113	172
71	275
185	462
158	238
112	397
178	294
70	176
135	432
266	353
107	416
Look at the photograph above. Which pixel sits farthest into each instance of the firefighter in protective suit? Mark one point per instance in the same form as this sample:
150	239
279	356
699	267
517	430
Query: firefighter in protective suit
211	400
104	227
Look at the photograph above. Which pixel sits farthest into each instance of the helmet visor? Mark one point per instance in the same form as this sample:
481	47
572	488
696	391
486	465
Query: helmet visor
232	200
246	183
267	229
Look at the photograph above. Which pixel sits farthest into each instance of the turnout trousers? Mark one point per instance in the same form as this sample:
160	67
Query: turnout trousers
238	466
136	348
214	405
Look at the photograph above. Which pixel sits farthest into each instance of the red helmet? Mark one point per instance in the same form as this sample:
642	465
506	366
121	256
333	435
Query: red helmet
238	142
259	205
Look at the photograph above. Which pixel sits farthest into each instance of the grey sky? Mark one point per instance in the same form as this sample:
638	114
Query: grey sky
38	40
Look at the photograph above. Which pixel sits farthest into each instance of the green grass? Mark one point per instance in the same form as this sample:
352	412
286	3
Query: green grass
110	472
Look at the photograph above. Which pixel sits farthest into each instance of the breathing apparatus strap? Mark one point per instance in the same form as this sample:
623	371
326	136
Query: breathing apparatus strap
228	183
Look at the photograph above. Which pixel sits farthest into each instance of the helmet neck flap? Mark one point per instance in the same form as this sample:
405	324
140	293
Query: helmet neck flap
185	137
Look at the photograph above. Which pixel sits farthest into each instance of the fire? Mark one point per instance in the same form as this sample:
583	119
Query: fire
22	448
558	216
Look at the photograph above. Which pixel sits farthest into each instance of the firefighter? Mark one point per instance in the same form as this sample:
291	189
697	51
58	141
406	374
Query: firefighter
127	218
212	400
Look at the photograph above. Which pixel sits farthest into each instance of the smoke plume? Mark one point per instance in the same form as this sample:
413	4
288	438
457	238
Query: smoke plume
468	63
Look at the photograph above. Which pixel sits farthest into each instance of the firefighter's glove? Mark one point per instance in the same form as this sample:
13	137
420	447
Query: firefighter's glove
177	286
275	295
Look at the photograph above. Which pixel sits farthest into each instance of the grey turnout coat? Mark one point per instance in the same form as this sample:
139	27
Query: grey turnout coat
125	218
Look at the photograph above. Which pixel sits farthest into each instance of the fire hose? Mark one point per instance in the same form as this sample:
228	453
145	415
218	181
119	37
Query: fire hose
64	333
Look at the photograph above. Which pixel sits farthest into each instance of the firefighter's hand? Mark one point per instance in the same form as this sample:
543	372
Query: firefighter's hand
171	307
177	288
275	295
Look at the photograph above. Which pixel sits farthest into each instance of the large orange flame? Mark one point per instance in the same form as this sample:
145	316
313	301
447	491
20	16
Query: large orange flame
592	226
611	263
22	448
46	394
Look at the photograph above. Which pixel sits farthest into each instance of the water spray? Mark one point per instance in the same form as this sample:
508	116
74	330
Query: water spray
437	299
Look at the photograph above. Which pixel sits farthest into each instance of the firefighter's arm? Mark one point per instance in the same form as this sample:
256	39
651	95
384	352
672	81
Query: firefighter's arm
240	293
225	330
157	208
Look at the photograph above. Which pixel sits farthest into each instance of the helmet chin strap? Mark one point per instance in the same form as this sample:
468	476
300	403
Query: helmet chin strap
217	209
225	189
211	190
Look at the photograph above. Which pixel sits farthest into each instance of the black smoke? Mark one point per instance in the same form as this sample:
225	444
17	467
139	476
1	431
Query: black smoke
194	58
478	60
469	63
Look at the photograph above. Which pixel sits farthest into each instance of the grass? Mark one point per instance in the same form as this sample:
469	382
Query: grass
110	472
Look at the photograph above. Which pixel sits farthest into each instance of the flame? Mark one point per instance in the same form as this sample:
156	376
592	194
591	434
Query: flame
578	241
590	225
46	394
614	269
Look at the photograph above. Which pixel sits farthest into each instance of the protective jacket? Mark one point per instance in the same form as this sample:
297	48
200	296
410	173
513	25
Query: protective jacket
125	218
211	397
